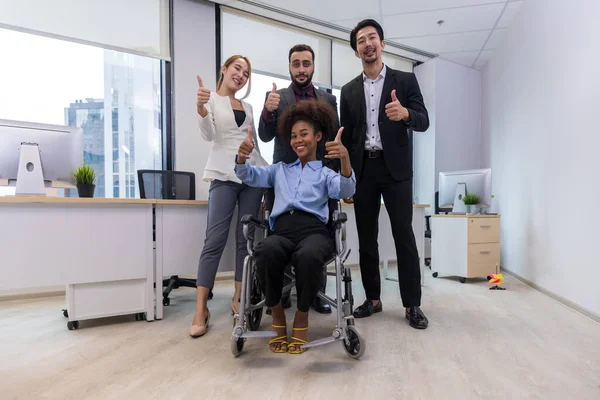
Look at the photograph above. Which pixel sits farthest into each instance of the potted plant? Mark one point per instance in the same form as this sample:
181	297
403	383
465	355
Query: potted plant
85	178
471	201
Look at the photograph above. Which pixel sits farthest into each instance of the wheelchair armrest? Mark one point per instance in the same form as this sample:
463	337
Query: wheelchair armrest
250	219
342	217
338	220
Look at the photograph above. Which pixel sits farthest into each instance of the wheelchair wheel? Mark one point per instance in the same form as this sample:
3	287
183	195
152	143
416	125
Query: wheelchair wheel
354	344
237	346
255	316
254	319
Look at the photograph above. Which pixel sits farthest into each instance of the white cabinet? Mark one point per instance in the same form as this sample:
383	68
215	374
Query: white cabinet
467	246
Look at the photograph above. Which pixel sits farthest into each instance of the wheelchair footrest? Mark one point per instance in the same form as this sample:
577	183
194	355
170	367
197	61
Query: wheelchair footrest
320	342
259	334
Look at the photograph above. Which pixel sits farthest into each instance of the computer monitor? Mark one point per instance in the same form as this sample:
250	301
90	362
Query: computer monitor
60	149
455	184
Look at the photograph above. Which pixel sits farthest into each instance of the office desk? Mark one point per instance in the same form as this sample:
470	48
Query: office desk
180	233
387	248
101	249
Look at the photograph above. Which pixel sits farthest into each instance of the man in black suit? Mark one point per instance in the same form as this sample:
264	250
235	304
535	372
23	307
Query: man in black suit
376	109
301	66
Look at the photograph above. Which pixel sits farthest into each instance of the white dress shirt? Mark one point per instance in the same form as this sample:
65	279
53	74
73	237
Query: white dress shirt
220	128
373	90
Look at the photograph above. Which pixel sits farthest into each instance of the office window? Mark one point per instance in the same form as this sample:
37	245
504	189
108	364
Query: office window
267	44
113	96
338	94
261	84
346	66
140	26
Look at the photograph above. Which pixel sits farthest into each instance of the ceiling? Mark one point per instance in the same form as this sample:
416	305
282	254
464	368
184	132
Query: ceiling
470	31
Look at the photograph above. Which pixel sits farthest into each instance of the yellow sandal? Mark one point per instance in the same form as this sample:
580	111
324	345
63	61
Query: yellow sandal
297	343
282	340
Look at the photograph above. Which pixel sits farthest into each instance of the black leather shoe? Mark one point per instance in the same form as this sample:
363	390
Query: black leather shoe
416	318
321	307
286	302
367	309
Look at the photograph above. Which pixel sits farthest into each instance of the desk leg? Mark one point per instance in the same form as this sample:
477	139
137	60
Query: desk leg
158	261
149	268
386	274
385	269
421	241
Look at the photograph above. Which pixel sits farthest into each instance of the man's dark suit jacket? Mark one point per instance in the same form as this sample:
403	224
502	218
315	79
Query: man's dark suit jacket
394	134
267	131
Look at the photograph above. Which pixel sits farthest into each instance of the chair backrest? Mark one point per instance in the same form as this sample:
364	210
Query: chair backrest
158	184
439	210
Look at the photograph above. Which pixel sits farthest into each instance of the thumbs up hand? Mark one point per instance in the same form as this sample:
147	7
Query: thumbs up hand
394	110
246	147
336	149
273	99
202	97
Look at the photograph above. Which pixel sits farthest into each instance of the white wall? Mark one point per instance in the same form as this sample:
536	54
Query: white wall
452	95
458	118
194	54
424	142
541	96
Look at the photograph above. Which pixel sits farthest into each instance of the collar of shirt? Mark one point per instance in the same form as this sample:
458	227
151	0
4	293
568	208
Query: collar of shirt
380	76
306	92
314	165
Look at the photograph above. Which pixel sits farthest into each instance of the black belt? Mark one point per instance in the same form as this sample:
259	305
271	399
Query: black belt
298	212
373	153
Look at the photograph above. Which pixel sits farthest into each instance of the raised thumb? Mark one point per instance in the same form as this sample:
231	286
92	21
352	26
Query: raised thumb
274	88
338	137
200	84
394	98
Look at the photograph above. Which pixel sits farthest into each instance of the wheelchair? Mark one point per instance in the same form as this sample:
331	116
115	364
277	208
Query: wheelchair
250	310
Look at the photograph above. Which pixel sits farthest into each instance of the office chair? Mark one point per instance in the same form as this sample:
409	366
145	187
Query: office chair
176	185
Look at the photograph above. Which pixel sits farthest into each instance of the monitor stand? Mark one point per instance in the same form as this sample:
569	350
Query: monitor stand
459	206
30	178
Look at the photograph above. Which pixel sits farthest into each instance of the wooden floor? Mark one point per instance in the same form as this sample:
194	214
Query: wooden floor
481	344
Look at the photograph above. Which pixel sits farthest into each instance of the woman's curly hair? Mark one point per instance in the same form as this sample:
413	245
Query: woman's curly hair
318	113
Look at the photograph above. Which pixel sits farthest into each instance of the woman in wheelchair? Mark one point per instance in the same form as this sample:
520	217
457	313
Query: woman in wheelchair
300	213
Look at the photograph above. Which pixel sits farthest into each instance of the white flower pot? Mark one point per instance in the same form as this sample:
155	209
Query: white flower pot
472	209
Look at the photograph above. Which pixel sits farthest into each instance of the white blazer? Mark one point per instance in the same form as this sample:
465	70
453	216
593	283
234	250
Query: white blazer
220	128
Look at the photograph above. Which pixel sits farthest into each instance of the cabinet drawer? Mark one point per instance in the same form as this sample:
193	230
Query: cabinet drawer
484	230
483	259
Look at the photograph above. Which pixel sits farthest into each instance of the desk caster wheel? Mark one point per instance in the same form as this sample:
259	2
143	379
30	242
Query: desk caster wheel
166	301
65	313
435	274
71	325
463	280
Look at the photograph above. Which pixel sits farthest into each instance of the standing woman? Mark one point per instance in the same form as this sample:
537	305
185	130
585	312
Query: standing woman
225	121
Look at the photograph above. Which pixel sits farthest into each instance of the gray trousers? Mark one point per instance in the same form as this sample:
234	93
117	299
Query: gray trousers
222	199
